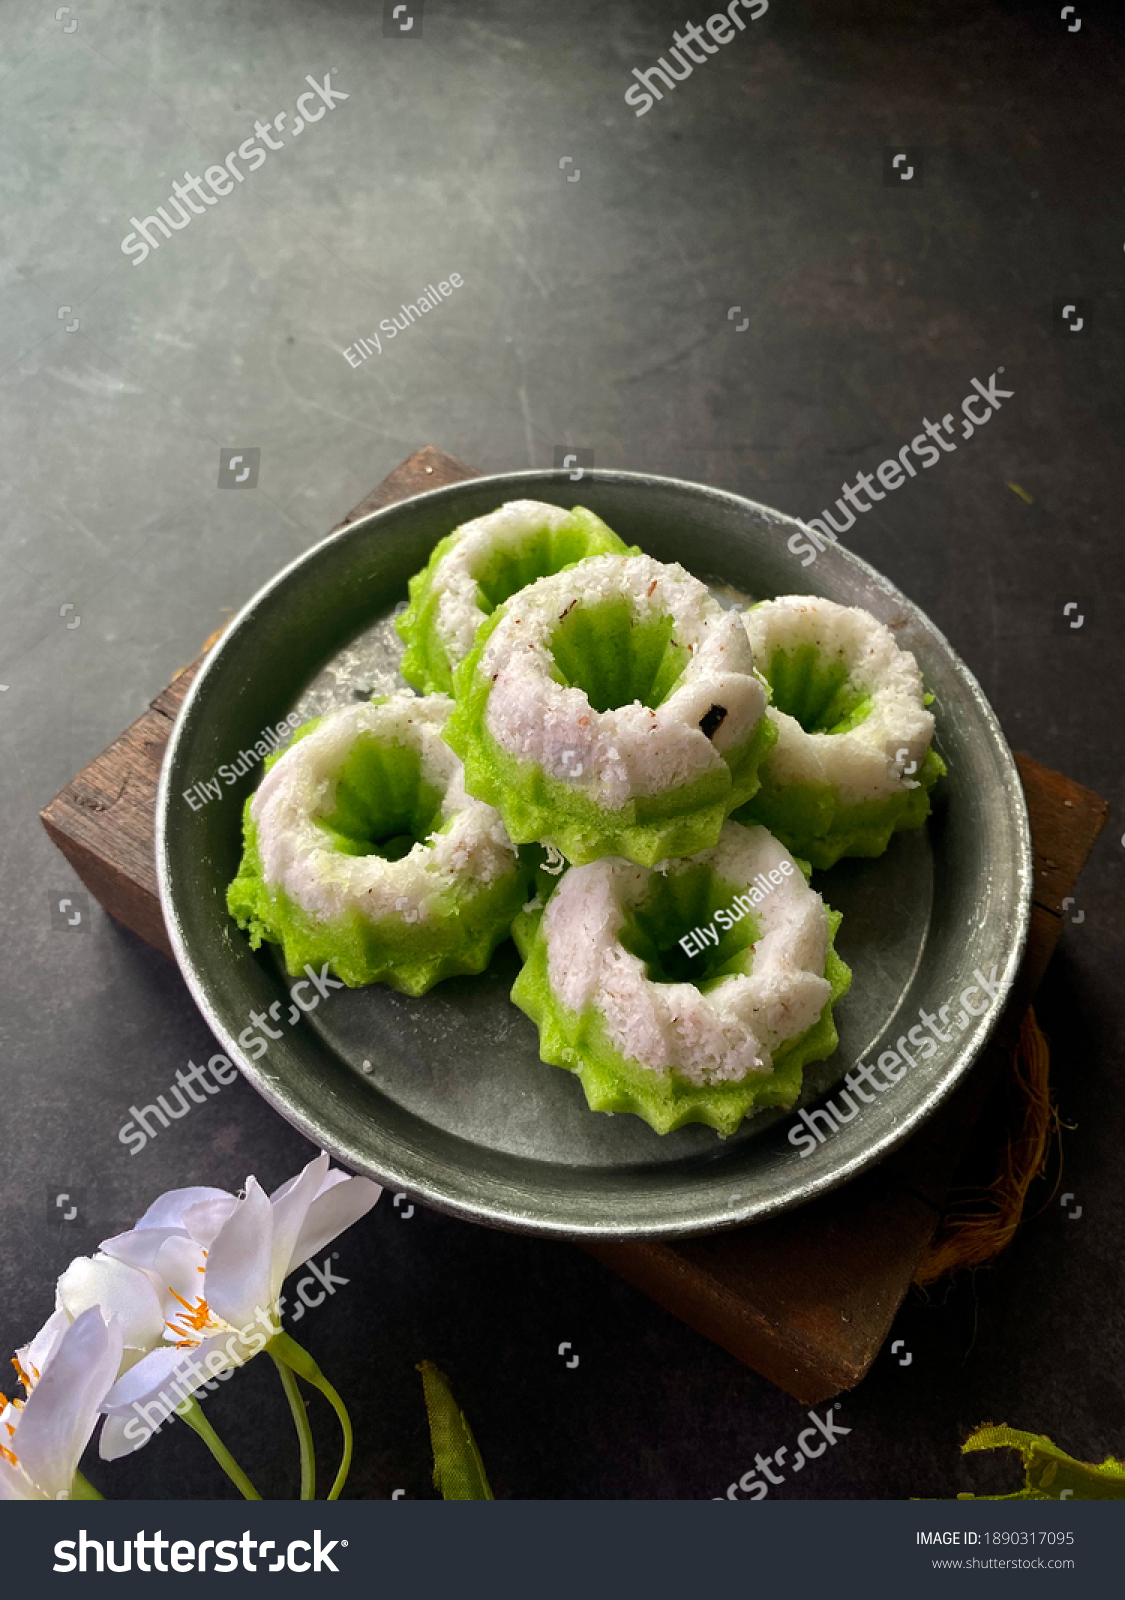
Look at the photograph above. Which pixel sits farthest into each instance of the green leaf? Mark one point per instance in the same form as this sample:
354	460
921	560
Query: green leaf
1049	1473
458	1469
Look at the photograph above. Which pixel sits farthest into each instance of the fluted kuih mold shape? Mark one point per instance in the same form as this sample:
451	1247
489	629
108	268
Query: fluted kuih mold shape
611	652
383	806
579	1041
822	688
509	552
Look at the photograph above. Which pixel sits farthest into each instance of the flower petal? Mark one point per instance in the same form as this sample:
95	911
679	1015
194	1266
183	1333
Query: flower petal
149	1378
290	1206
181	1270
168	1210
238	1264
145	1398
16	1485
116	1441
61	1411
204	1219
334	1209
139	1247
331	1179
122	1292
33	1357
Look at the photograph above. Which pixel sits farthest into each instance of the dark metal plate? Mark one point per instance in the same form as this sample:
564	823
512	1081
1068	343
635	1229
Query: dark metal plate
445	1097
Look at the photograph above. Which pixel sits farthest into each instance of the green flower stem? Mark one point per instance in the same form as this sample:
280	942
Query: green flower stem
287	1350
83	1489
304	1432
192	1413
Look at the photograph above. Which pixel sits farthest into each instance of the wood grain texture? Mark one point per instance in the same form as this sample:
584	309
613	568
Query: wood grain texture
1065	821
104	822
806	1299
428	468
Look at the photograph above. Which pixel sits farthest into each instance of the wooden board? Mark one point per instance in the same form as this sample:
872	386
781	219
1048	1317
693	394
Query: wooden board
806	1299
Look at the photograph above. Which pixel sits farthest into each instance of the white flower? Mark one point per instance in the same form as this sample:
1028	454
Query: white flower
132	1298
66	1371
219	1261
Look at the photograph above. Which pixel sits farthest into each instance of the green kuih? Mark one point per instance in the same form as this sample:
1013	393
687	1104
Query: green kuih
612	709
479	566
853	762
363	851
694	994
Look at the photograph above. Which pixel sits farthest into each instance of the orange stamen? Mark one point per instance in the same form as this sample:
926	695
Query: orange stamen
9	1455
194	1317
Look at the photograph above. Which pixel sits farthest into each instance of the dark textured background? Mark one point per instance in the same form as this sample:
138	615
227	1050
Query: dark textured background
594	313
